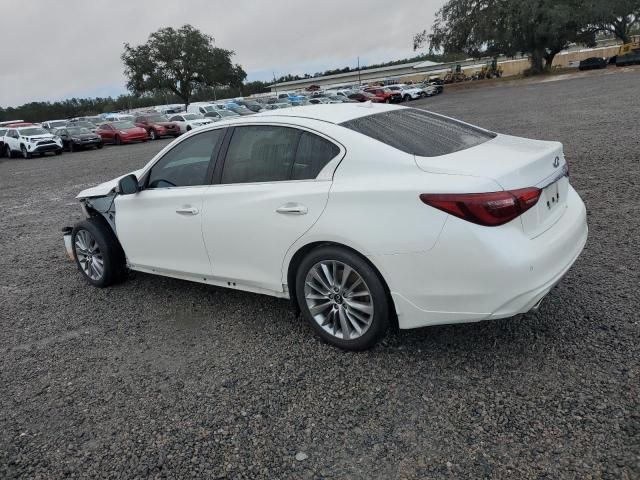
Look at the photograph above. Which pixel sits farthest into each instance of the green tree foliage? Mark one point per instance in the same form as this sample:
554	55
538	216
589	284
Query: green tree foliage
180	61
538	28
619	18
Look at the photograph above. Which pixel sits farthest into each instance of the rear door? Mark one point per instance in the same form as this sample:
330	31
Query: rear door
160	227
268	192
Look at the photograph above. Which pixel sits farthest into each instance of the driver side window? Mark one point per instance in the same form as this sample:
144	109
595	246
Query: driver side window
186	164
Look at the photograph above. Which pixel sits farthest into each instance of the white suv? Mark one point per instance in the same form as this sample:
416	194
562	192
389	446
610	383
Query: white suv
408	92
30	140
189	121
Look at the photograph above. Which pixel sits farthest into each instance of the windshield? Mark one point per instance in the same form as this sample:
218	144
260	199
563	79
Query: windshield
84	124
226	113
209	108
25	132
191	116
78	130
123	124
157	118
58	123
419	132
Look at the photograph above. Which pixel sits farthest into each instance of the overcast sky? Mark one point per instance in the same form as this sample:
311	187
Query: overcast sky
71	48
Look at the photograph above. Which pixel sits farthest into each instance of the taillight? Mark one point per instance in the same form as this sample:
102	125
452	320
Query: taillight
488	209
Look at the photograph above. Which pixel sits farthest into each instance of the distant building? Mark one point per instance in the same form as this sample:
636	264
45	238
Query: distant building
418	71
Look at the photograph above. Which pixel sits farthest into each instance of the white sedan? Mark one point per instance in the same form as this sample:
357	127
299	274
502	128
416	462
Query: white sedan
360	223
189	121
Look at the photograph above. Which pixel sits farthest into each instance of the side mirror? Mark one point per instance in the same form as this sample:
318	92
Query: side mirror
128	185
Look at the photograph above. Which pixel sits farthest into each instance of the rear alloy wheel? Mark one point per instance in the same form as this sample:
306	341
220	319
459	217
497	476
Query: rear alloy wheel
25	154
153	135
343	298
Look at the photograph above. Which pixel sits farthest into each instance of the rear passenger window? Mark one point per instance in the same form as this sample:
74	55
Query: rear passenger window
260	154
313	154
187	163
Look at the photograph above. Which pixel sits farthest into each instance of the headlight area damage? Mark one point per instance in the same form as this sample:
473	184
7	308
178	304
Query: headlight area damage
100	208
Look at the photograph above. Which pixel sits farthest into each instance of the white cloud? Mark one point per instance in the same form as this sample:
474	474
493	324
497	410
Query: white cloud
72	48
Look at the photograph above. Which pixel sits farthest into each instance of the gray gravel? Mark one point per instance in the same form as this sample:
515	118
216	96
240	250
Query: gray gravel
162	378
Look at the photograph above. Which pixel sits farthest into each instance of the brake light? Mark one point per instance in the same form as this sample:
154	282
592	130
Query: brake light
487	209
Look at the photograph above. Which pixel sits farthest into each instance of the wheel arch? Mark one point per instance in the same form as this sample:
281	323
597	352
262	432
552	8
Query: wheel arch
298	256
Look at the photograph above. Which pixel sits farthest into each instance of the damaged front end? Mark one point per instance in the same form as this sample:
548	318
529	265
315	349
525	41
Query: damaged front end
103	207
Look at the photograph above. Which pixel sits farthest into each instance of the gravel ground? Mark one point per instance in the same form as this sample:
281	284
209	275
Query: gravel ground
162	378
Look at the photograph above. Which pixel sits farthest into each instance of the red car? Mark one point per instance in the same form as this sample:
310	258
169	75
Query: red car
157	126
365	97
121	132
386	94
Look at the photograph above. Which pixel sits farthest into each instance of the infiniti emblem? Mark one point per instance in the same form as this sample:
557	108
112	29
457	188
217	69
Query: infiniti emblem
556	162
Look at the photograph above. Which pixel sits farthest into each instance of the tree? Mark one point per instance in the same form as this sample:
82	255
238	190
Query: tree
617	17
538	28
181	61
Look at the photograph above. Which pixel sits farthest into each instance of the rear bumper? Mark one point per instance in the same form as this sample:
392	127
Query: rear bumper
477	273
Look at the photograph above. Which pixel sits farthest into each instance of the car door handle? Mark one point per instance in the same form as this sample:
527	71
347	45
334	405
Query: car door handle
187	211
292	209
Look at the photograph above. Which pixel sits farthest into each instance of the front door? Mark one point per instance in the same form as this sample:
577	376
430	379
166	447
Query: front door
266	196
160	227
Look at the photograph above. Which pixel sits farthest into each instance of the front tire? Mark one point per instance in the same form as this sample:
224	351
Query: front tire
153	135
407	98
98	253
25	154
118	141
343	298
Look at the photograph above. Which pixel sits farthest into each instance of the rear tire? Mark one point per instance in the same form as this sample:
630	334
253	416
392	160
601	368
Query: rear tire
98	253
8	152
346	294
57	152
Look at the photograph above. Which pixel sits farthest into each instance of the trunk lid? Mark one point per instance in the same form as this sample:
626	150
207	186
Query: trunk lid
514	163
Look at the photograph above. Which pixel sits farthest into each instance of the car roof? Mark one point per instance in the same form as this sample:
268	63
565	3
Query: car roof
331	112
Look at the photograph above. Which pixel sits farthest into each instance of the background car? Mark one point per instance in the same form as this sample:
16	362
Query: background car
593	63
75	137
31	140
365	97
157	125
123	131
3	131
389	96
188	121
83	124
408	92
52	125
239	109
217	115
255	107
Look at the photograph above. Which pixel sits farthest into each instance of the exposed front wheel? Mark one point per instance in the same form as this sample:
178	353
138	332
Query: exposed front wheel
118	141
25	154
153	135
407	98
343	298
98	253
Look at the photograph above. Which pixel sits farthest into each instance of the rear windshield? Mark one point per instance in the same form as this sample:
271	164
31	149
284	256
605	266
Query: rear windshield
419	132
